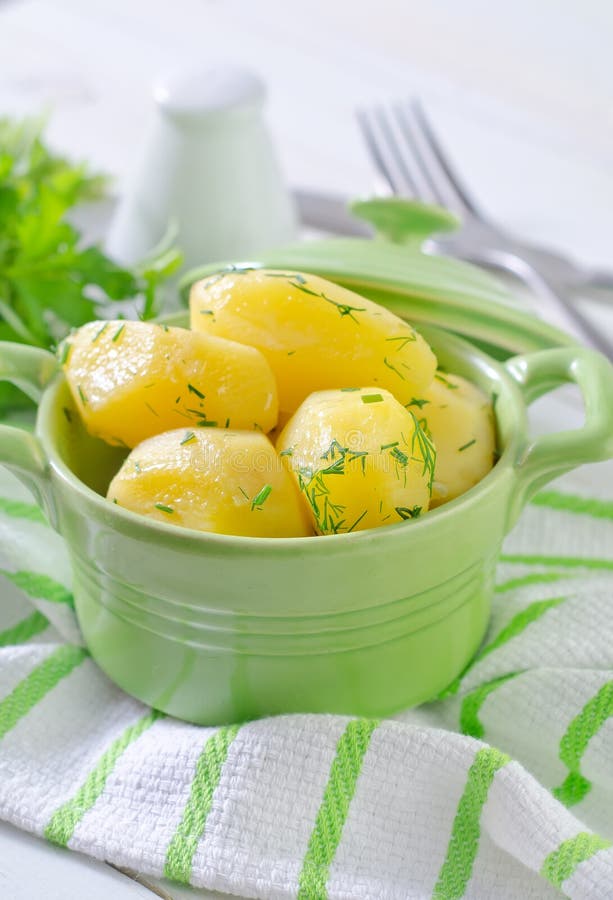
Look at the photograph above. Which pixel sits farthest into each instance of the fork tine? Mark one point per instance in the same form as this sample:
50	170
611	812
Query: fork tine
382	150
446	173
413	156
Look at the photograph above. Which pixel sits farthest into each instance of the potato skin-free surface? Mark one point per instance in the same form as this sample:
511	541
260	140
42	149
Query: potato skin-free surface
359	459
461	421
229	482
314	334
131	380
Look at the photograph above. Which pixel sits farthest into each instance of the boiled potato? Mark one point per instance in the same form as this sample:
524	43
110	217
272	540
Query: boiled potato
131	380
230	482
461	421
359	458
314	334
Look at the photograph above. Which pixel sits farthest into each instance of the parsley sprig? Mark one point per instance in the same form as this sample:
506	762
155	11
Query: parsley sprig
50	280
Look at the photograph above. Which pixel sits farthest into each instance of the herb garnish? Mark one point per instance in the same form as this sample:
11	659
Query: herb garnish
406	512
82	395
344	309
423	440
189	438
372	398
466	446
64	352
357	521
165	509
100	331
328	515
261	497
393	368
117	334
416	402
194	390
403	340
51	279
398	455
445	381
151	410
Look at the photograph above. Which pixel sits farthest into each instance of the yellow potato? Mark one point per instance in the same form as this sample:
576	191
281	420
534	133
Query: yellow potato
314	334
230	482
461	421
359	459
131	380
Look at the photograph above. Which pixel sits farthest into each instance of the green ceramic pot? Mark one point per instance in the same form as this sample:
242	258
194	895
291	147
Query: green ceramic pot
216	629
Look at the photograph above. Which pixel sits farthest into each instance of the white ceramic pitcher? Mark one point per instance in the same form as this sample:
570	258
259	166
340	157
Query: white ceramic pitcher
209	166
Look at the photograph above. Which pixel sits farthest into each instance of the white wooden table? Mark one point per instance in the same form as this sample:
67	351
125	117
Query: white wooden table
522	93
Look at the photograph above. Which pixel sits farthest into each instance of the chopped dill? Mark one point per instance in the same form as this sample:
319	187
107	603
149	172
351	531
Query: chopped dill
243	492
67	413
416	401
393	368
349	389
398	455
82	395
406	512
344	309
421	438
118	333
99	332
64	352
261	497
207	312
290	352
357	521
137	467
151	410
445	381
194	390
206	423
387	446
466	446
372	398
227	425
165	509
189	438
403	340
288	452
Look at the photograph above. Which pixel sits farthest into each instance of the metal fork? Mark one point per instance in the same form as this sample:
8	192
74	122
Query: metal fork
410	157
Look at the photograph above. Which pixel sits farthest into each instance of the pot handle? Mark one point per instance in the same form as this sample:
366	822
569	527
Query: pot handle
30	369
551	455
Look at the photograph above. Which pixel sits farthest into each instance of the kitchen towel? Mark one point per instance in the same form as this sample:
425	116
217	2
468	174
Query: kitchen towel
502	788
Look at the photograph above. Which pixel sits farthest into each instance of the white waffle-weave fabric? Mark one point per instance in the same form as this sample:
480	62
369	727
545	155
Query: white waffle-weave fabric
502	790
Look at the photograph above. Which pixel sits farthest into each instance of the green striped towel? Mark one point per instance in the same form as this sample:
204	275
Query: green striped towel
501	789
